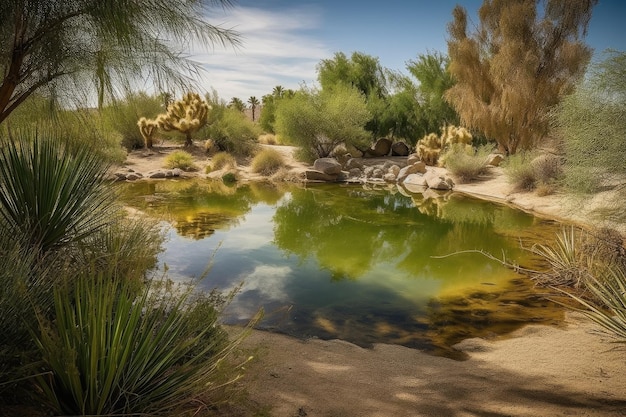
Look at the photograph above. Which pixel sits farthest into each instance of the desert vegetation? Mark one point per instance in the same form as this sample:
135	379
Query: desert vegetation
518	82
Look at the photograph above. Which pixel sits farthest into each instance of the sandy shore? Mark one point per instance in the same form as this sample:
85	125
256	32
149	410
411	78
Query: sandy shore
535	371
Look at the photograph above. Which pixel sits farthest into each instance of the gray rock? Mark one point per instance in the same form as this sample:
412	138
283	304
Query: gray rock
133	176
417	168
411	159
157	174
353	163
355	173
315	175
495	159
399	149
389	177
382	147
329	166
378	172
438	182
394	169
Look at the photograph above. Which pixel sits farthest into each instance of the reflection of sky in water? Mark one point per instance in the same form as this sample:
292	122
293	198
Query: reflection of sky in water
328	291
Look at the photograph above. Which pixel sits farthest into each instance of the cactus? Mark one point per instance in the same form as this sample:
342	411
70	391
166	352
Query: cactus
430	147
147	128
185	116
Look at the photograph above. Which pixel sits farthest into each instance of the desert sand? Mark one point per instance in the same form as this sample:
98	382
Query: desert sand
573	370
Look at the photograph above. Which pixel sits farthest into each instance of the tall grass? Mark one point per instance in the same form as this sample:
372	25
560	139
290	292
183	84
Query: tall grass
465	166
111	352
267	162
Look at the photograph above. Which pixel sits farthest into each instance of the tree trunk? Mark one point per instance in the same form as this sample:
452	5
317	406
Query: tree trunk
188	141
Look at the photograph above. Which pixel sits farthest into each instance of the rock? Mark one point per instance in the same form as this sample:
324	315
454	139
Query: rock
389	177
355	173
417	168
329	166
133	176
413	158
415	180
394	169
367	171
159	173
380	148
315	175
400	149
438	182
495	159
378	172
177	172
353	163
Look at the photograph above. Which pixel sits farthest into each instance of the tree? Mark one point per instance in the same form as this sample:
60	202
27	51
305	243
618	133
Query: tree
237	104
185	116
431	70
254	102
318	121
364	73
103	44
516	66
592	121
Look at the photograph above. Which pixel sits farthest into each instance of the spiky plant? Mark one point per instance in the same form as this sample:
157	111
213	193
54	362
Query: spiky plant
147	128
51	195
185	116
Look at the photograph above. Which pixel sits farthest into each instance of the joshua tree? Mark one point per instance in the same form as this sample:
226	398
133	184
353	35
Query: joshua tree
147	127
254	102
185	116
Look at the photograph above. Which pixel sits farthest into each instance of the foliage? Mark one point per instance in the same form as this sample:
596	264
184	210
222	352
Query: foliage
267	162
186	116
180	159
592	121
434	79
111	352
147	128
516	66
520	172
466	164
270	102
318	121
51	195
364	73
223	160
75	46
237	104
121	116
230	130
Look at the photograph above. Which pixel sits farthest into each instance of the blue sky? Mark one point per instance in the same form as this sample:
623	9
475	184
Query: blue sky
284	40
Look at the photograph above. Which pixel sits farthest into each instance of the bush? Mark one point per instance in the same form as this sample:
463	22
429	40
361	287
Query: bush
122	117
223	160
110	352
267	162
465	166
231	131
592	121
520	173
318	121
180	159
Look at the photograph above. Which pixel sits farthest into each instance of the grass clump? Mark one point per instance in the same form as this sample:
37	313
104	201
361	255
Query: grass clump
223	160
520	173
181	160
466	166
267	162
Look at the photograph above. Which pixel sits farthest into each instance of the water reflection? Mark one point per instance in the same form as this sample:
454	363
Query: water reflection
345	262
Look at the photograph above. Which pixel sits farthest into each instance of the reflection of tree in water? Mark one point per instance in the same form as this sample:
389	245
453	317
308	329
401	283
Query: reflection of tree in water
202	225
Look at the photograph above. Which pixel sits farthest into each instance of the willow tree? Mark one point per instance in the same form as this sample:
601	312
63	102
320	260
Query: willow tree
105	44
516	66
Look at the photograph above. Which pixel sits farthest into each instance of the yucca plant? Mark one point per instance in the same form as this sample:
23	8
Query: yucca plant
609	309
50	195
110	352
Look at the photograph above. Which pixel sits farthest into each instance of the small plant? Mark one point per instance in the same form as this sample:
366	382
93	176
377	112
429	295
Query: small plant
431	146
267	162
229	178
223	160
520	172
466	166
180	159
268	139
147	128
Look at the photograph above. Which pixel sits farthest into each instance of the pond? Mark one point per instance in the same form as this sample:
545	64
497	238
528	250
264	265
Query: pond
352	262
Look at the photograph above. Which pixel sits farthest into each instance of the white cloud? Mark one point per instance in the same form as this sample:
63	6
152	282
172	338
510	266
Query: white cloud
277	50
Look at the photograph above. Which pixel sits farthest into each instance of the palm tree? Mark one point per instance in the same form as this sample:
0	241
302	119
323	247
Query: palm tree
106	45
278	91
237	103
254	102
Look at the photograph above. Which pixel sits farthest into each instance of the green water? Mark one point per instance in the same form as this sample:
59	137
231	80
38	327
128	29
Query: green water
362	265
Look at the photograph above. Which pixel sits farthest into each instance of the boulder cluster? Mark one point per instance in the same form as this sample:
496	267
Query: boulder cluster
397	167
128	174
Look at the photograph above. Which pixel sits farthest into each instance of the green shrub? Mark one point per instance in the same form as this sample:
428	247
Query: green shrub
122	117
464	166
180	159
110	352
267	162
231	131
229	178
520	172
223	160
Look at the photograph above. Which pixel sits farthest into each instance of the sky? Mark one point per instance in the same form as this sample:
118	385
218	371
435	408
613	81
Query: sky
284	40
